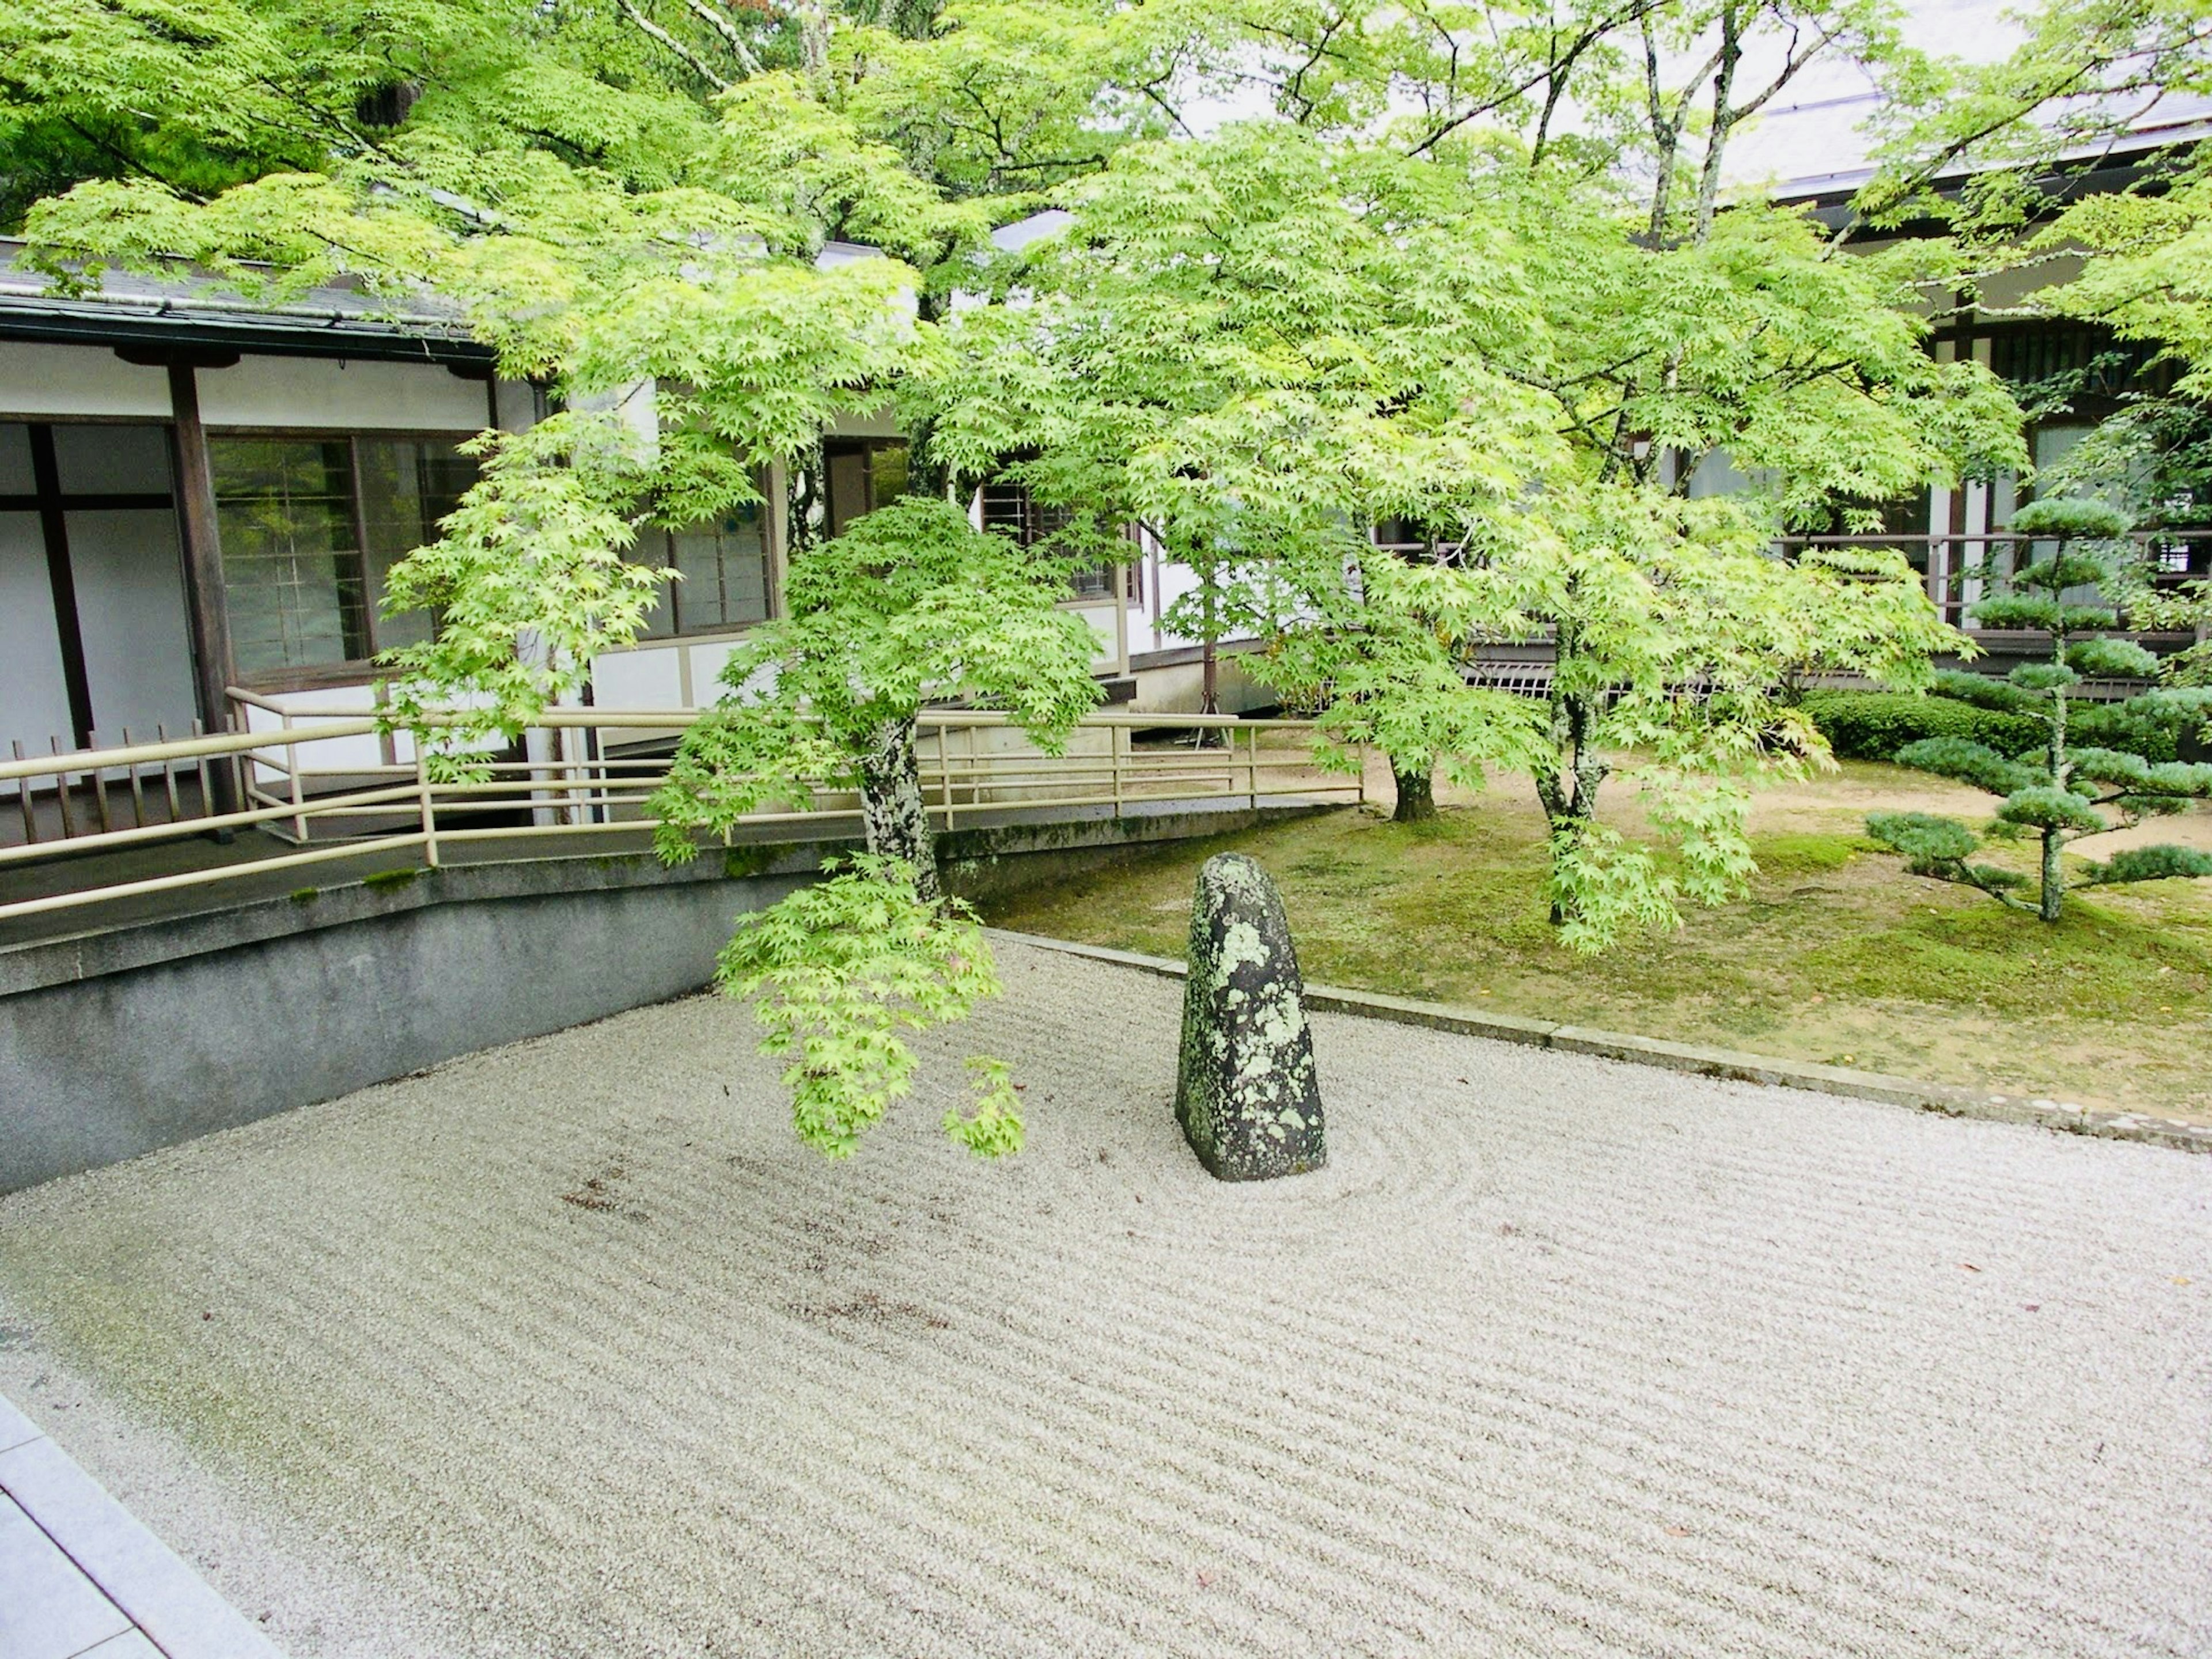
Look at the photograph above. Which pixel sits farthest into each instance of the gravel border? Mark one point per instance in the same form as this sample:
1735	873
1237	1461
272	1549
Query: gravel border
1735	1065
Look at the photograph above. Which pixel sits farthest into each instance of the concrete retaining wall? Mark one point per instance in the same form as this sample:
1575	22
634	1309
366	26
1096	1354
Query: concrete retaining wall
121	1040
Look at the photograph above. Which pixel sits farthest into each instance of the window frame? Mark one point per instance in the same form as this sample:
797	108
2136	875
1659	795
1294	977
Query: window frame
354	671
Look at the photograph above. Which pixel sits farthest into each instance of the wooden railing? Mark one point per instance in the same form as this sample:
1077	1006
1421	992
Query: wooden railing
342	785
1956	563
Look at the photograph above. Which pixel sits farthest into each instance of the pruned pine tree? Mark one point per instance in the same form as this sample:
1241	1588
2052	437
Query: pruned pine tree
2058	793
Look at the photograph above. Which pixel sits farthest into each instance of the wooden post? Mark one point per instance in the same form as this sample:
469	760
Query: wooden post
945	773
207	614
429	813
292	769
23	799
61	581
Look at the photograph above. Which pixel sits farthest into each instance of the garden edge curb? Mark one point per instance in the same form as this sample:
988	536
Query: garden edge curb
1728	1064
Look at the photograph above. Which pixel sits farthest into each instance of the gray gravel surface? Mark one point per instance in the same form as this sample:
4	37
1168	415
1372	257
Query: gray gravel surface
570	1349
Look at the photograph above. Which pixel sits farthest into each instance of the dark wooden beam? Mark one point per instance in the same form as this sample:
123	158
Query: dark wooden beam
168	356
207	611
61	579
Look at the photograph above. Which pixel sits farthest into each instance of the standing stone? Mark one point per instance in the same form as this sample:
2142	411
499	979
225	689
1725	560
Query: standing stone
1246	1092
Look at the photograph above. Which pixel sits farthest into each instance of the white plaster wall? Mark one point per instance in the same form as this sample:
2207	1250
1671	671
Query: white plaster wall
131	611
81	380
315	393
644	677
881	424
307	392
2010	288
34	706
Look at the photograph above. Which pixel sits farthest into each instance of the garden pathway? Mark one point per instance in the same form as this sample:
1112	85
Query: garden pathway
569	1348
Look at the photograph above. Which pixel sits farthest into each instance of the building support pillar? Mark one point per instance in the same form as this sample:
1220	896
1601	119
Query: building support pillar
208	613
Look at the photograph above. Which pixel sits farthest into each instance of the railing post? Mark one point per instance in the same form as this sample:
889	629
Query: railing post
206	771
292	766
23	799
1114	740
61	792
944	770
1252	768
429	812
168	774
1363	774
137	788
99	786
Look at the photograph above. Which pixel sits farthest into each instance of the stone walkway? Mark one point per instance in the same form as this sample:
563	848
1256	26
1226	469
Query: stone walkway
569	1350
80	1579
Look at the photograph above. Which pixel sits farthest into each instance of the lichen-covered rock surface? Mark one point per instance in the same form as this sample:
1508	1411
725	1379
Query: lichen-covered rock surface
1246	1091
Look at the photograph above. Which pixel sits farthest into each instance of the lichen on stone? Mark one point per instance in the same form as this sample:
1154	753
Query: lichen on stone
1247	1092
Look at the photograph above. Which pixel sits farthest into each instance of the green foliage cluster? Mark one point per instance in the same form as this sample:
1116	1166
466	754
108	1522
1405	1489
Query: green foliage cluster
1469	269
911	605
840	969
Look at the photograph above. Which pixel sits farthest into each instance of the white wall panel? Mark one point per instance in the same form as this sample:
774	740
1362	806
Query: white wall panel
647	678
313	392
130	611
72	379
34	706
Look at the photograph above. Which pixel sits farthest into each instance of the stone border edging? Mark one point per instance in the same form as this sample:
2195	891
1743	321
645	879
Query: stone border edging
1728	1063
153	1590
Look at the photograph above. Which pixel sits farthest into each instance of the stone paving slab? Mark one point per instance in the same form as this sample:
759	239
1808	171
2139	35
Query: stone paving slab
84	1580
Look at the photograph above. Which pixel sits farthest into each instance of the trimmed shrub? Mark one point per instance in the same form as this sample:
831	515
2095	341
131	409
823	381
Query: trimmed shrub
1875	725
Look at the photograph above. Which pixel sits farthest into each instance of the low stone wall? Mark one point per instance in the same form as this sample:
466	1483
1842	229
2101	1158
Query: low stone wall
117	1041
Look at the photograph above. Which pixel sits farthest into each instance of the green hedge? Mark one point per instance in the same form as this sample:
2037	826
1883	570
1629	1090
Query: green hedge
1875	725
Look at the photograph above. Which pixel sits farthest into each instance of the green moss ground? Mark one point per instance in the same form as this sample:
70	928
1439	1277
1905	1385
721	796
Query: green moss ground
1836	955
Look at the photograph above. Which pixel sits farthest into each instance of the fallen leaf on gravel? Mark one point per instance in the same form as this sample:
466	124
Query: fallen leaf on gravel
1969	1266
1678	1532
1205	1581
2181	1278
2031	1307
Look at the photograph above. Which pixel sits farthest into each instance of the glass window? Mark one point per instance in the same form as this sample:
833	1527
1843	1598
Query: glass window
1010	510
310	528
407	485
724	571
291	561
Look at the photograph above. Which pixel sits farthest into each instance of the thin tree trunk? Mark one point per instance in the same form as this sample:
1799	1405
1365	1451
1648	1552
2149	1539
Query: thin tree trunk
1417	795
891	809
2061	770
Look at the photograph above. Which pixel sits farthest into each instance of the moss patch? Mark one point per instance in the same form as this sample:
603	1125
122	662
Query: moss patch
1836	955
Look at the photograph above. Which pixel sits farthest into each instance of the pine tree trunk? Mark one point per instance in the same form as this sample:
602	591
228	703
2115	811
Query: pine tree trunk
892	812
2061	771
1417	795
